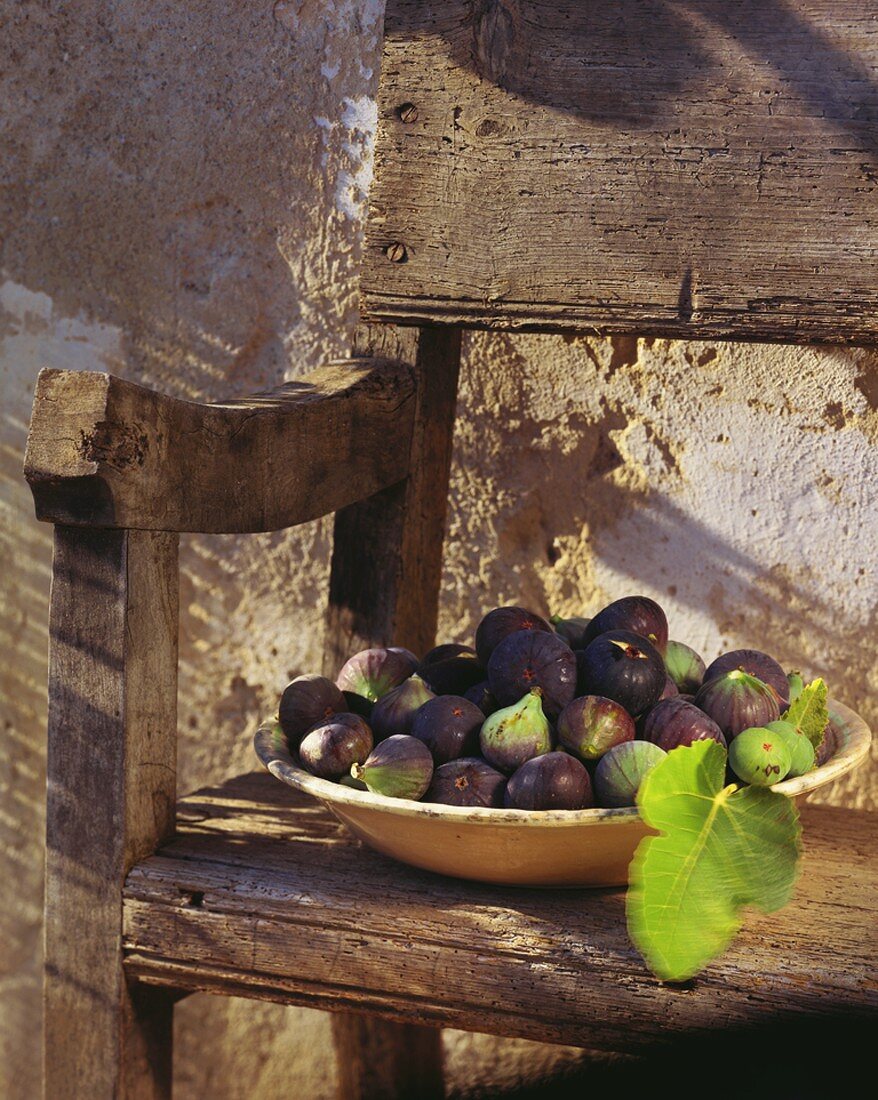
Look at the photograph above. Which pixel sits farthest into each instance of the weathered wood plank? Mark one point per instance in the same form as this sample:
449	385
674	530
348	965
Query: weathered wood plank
384	589
288	907
104	452
387	550
696	170
111	797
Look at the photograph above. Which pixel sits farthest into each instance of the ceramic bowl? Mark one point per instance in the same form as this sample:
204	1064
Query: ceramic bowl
518	847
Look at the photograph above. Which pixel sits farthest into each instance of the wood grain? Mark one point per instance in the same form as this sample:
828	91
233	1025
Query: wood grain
263	894
631	166
105	452
387	549
111	797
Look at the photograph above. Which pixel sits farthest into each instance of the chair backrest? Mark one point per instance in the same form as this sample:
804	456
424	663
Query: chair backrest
696	168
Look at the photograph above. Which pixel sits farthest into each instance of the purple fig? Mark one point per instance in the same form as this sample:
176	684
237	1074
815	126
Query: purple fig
624	667
759	757
620	772
757	664
482	697
357	704
305	701
737	701
443	652
571	630
531	659
684	667
500	623
674	722
449	726
395	711
449	673
373	672
670	690
636	614
555	781
515	734
330	748
827	747
466	782
591	725
400	767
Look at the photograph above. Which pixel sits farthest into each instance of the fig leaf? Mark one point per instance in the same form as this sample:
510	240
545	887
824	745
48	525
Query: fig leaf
809	713
719	850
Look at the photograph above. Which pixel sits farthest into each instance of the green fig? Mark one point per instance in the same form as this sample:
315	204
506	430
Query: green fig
797	685
802	752
684	666
759	756
399	767
512	735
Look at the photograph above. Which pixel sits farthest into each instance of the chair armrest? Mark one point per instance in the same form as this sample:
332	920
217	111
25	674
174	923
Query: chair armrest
104	452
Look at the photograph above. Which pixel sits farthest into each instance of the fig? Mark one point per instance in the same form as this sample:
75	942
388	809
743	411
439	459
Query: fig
636	614
531	659
802	755
670	690
591	725
514	734
736	701
451	673
357	704
620	772
467	782
624	667
500	623
555	781
827	746
674	722
400	767
449	726
395	711
684	667
571	630
306	701
759	757
797	685
373	672
443	652
331	747
482	697
755	663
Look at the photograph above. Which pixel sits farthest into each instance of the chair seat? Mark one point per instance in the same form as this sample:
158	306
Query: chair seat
263	894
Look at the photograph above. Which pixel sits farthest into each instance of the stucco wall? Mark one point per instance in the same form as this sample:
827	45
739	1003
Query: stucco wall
182	204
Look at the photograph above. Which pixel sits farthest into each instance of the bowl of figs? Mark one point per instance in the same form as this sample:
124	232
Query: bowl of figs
518	759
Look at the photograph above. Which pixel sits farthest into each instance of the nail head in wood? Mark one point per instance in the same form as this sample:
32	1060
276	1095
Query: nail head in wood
397	253
408	112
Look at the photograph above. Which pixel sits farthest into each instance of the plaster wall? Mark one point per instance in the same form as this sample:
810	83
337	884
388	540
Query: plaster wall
182	200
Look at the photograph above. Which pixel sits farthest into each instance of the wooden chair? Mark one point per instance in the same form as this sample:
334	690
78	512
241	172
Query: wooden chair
689	170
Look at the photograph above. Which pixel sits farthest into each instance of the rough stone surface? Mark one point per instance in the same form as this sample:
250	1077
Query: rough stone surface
182	200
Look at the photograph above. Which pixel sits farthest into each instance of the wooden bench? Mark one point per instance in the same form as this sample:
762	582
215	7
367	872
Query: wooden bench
635	167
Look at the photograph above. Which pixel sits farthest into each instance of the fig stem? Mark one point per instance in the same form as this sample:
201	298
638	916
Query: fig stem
357	771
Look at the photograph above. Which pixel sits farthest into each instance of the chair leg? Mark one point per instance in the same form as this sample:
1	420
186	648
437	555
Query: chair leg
384	590
381	1060
111	795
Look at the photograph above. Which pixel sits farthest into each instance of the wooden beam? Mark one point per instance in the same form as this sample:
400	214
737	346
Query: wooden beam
111	797
103	452
387	549
292	908
701	170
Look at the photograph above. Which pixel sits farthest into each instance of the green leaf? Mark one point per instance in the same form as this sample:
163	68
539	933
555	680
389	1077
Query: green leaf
720	849
809	713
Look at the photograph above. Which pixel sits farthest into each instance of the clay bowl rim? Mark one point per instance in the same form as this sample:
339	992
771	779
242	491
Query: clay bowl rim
272	750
